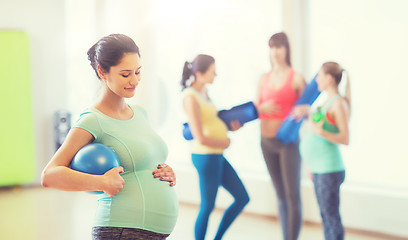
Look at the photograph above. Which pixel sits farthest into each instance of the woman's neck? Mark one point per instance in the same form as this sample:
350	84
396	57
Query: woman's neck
280	67
112	102
198	86
332	91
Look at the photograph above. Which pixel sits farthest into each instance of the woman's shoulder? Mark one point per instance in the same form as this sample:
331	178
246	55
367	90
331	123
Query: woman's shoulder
340	105
298	77
190	92
88	119
88	113
298	81
341	102
263	77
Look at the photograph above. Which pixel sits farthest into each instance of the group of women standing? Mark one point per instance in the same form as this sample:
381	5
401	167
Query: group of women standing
278	91
138	200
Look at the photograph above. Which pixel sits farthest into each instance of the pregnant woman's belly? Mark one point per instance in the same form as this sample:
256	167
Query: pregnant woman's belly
144	202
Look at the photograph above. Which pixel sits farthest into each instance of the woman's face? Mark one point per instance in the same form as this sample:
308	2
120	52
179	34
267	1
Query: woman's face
123	78
278	55
324	80
209	75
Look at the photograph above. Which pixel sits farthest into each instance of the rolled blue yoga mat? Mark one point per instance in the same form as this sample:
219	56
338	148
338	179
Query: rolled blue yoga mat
289	130
243	113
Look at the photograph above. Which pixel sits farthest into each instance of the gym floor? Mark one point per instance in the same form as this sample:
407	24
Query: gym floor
34	213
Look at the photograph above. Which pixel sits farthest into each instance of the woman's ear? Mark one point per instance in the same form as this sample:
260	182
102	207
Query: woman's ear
101	72
331	79
199	75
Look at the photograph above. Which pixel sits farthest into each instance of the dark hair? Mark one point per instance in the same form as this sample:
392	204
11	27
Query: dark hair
336	71
200	64
109	50
278	40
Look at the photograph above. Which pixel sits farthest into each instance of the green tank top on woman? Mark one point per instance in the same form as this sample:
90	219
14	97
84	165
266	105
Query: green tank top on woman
144	202
320	155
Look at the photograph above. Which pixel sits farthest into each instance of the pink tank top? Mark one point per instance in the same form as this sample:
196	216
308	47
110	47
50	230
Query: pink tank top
285	97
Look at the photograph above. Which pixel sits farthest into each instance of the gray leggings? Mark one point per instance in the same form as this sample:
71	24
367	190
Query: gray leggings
283	162
119	233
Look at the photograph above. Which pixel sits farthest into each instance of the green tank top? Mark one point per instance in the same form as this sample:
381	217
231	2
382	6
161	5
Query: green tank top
319	154
144	202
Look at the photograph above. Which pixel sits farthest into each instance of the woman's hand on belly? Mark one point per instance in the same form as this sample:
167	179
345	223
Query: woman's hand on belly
165	173
269	107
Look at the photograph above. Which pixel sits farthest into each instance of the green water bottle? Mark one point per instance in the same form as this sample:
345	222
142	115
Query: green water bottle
317	116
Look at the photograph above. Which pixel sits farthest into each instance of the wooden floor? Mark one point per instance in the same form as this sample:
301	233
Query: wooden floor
45	214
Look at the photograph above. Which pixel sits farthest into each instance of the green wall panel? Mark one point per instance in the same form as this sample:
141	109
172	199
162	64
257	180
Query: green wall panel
17	146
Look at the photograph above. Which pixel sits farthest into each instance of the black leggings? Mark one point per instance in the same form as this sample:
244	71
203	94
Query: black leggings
119	233
283	162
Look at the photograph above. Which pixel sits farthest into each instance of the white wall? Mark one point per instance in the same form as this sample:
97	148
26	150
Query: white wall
133	18
80	30
43	21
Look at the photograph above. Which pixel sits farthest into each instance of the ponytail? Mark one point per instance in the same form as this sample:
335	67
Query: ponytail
93	59
347	94
187	72
200	64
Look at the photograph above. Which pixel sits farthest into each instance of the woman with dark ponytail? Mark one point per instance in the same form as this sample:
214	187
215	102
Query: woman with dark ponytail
210	141
134	204
320	147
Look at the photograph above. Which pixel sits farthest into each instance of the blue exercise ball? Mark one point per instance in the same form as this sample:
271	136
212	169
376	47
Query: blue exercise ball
95	158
